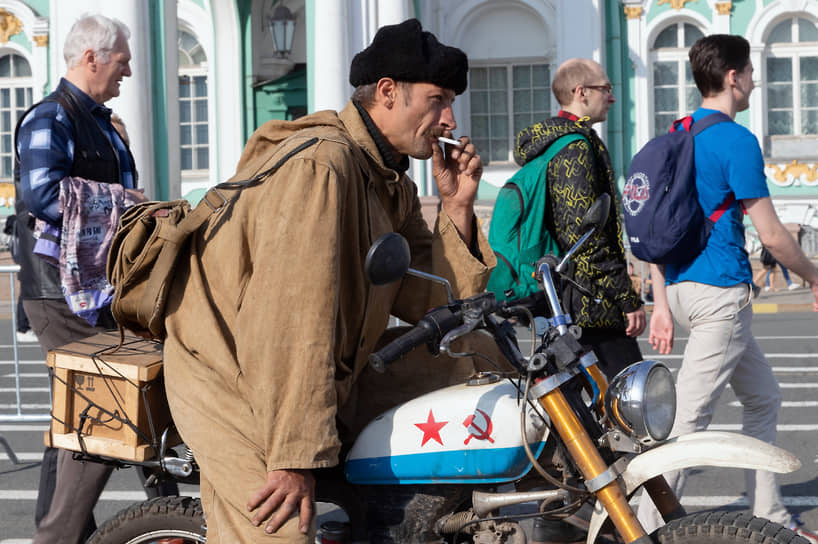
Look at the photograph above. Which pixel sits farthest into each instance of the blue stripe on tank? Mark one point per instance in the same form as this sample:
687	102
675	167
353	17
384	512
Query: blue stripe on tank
489	465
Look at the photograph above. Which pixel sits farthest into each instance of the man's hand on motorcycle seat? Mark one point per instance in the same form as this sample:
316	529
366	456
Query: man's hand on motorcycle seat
284	493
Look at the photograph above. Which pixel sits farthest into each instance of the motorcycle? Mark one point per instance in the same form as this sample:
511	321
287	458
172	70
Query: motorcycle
552	435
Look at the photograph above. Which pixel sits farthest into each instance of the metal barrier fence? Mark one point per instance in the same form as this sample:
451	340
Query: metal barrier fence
11	270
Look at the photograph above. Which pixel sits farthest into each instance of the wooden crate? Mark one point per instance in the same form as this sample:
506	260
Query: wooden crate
112	388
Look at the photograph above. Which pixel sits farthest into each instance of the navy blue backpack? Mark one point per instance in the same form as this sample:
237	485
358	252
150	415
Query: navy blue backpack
664	222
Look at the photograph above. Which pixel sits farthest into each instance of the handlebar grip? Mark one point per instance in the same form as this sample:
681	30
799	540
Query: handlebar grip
420	334
429	329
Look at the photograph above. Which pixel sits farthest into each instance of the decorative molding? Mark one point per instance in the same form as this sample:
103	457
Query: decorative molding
9	25
41	41
633	12
675	4
724	8
793	174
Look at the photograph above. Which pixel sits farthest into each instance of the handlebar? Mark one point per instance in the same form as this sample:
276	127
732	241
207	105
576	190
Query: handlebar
429	330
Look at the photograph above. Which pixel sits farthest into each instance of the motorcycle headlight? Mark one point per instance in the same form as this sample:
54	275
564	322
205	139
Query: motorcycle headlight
641	400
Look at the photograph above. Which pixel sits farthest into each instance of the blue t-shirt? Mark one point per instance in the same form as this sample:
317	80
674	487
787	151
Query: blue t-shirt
728	159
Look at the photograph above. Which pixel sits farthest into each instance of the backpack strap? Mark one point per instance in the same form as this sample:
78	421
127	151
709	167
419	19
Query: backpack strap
696	128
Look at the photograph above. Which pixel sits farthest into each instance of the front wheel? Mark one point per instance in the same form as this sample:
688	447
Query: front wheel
171	520
720	527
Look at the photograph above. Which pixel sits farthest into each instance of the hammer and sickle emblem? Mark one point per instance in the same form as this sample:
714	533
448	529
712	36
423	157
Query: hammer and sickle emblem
479	426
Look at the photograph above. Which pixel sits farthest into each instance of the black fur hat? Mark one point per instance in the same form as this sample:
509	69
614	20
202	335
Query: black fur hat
405	52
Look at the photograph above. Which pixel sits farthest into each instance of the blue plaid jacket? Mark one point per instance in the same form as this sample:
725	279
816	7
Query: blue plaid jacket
45	145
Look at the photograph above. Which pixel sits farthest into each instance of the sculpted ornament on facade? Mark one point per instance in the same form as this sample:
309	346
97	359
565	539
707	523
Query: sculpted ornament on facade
633	12
675	4
793	174
9	25
723	8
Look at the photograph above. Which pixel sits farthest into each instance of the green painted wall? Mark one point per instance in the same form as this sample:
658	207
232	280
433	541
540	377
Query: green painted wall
40	7
699	6
284	98
243	13
156	14
618	67
741	16
22	40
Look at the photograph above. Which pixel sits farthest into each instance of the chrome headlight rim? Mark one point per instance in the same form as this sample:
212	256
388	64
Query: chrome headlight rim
641	401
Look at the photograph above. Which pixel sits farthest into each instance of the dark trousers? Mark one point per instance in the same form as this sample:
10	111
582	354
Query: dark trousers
22	319
612	347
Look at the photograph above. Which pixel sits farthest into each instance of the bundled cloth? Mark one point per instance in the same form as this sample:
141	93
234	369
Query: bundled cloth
91	212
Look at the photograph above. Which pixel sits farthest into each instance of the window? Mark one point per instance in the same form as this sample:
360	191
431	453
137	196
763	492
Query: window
674	91
193	118
505	100
15	98
792	78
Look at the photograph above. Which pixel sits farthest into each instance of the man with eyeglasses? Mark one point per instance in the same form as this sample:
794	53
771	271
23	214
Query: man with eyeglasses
603	303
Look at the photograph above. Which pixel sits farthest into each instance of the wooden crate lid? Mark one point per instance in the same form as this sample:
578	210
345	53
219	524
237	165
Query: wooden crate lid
137	359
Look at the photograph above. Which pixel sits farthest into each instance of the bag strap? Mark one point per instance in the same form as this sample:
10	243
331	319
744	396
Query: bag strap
217	197
214	200
560	143
686	123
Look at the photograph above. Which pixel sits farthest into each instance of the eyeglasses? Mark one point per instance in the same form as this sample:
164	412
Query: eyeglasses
607	88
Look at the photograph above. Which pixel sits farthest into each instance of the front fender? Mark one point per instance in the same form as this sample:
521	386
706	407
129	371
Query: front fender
705	448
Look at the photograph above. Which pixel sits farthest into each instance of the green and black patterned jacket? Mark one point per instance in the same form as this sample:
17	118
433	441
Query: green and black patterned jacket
577	175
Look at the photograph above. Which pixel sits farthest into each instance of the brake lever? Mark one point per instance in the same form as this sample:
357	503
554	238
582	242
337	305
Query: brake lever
474	309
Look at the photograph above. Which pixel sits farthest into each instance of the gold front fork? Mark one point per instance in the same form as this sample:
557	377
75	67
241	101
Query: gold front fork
590	463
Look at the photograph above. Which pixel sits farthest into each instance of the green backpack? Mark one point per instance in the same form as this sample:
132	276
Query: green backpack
517	232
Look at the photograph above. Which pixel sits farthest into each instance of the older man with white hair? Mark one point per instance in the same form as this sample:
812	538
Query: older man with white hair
69	134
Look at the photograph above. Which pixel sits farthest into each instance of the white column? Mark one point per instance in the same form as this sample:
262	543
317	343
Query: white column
134	102
638	55
721	17
392	12
331	58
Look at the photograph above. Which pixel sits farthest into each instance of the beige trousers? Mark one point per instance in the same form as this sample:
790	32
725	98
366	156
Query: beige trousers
721	350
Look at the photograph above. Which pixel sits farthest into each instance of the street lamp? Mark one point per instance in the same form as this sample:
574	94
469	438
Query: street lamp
282	29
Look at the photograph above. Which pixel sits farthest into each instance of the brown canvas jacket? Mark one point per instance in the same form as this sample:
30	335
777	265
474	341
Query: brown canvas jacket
271	318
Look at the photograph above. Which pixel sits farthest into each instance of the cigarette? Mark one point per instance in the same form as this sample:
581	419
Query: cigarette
445	140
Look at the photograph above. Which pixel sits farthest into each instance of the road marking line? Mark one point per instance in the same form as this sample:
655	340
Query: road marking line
125	496
26	456
26	375
786	403
22	428
23	362
24	389
679	356
736	427
685	338
735	500
26	406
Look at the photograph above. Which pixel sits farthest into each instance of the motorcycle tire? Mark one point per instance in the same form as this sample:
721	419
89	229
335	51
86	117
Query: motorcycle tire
720	527
163	520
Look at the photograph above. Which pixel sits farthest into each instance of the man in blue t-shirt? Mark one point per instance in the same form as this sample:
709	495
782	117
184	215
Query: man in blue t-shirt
711	296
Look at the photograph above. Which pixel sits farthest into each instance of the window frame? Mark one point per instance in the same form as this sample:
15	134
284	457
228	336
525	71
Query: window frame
12	83
679	55
794	51
191	73
510	114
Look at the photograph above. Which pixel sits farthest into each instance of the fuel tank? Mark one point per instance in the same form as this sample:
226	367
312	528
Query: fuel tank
466	433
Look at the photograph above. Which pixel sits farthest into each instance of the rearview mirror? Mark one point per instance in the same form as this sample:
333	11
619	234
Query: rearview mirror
388	259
